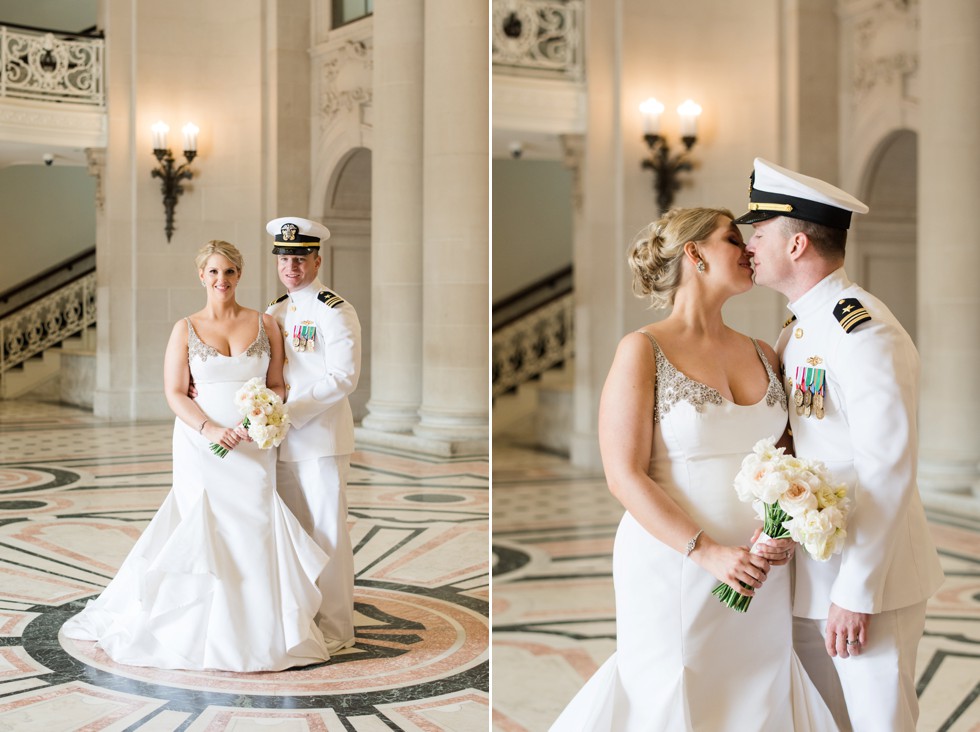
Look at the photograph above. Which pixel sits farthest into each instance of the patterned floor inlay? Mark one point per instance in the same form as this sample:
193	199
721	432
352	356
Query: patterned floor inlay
75	493
554	615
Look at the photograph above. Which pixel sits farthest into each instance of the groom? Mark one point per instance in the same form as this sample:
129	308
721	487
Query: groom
853	373
323	359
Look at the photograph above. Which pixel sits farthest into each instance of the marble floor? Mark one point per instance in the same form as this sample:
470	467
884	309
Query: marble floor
75	493
553	614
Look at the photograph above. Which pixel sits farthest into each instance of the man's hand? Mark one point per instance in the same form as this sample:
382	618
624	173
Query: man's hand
191	390
847	632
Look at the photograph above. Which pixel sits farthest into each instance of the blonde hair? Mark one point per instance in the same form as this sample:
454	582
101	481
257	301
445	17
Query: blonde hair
226	250
657	250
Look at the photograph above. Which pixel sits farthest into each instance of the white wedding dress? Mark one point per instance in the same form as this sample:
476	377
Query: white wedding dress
224	577
683	660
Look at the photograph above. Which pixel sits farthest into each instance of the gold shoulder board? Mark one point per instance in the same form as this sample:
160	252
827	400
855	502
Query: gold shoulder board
330	299
850	313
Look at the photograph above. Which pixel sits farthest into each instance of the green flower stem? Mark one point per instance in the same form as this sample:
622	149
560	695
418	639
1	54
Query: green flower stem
222	451
772	527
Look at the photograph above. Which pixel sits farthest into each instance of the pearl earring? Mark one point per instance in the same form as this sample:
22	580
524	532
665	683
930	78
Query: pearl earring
701	266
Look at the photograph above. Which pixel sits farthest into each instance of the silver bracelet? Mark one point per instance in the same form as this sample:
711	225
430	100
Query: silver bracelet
689	547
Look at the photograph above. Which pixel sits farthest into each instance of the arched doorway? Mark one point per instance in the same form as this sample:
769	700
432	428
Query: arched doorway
884	255
347	254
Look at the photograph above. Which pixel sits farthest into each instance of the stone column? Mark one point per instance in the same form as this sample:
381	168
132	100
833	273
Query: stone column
949	249
396	218
456	353
598	238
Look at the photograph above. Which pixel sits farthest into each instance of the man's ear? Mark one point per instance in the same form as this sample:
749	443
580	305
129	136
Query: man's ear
799	243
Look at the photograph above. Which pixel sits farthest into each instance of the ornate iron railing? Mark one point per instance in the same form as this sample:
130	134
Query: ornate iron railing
539	36
51	66
527	347
47	281
46	322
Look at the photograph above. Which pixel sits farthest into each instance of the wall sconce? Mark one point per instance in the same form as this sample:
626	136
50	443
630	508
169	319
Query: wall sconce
664	166
170	176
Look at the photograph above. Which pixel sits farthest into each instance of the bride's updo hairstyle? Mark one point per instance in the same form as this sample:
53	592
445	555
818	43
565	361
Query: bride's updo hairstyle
226	250
658	249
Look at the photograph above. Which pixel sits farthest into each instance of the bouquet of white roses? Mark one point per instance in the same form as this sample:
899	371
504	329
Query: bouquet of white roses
264	415
796	498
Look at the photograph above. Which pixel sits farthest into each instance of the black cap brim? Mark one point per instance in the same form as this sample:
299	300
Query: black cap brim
295	251
754	217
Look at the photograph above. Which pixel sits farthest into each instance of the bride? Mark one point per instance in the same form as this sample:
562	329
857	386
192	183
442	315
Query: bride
224	577
685	400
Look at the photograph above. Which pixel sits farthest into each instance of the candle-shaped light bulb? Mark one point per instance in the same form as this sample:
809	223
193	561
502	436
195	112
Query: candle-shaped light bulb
190	137
651	110
160	130
689	112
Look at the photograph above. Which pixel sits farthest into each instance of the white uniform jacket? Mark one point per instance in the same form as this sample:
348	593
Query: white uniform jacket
868	439
318	381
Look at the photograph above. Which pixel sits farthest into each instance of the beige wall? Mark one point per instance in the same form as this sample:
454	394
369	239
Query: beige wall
732	66
162	67
47	215
532	222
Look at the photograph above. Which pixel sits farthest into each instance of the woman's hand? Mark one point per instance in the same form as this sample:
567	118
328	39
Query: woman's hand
242	432
777	551
733	565
227	437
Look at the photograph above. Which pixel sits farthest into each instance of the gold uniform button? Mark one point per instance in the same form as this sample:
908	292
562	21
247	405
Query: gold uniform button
798	333
287	387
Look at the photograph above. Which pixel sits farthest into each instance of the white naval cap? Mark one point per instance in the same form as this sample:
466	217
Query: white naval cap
295	235
776	191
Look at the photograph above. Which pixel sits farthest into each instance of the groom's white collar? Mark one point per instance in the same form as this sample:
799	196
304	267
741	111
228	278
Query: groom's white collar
305	293
817	296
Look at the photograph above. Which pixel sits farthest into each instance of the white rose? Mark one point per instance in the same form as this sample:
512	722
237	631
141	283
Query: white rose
772	485
820	548
263	437
766	449
798	498
745	487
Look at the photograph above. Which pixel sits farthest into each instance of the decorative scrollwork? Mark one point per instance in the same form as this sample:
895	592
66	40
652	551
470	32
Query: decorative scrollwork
346	79
47	322
538	35
530	346
40	66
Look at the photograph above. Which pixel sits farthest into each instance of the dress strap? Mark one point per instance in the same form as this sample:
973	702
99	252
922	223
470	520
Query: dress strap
775	394
653	341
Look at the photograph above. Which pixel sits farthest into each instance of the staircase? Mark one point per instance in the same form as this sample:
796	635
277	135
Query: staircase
63	373
533	370
47	334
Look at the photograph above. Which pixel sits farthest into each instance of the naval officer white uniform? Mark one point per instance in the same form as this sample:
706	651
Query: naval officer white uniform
852	374
323	360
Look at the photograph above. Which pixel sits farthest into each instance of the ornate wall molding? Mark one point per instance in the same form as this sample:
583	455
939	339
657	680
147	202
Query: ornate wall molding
343	74
886	48
573	158
96	168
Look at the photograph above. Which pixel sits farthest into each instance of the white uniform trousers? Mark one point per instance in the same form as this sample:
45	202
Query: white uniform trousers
316	492
873	692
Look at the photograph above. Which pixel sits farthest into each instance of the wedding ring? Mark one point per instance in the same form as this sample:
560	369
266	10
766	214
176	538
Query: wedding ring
853	643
